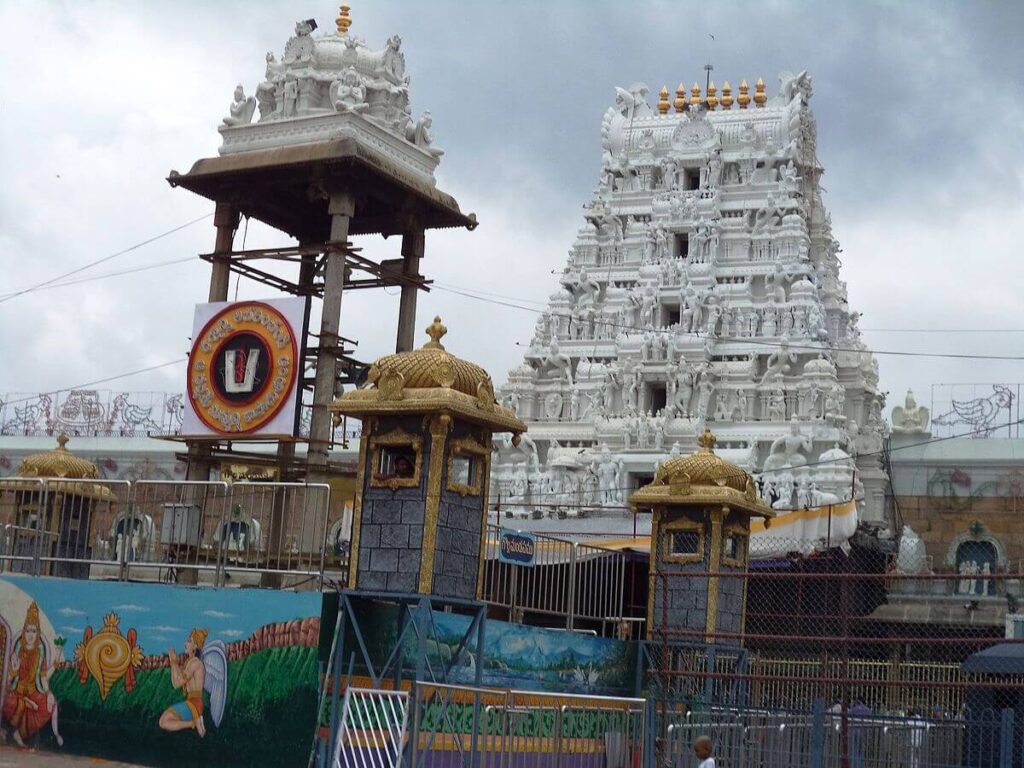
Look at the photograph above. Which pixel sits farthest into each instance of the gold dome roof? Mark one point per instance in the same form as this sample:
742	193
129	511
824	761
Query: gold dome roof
703	467
59	463
702	478
430	380
430	366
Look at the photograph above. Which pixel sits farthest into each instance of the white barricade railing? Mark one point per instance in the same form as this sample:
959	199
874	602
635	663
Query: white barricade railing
371	731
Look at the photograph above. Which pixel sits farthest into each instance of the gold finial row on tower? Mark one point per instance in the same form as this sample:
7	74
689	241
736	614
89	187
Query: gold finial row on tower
680	102
726	96
711	100
344	21
759	96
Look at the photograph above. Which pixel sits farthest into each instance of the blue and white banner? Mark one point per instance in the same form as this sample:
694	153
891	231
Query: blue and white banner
517	548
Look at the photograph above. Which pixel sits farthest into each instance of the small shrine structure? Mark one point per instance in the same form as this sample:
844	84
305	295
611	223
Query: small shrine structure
420	517
702	507
57	507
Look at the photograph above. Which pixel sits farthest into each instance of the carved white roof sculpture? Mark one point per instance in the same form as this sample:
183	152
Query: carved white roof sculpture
333	86
703	287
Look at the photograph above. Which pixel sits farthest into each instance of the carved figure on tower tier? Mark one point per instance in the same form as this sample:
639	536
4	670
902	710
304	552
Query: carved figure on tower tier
348	94
607	469
711	300
789	450
560	361
705	389
241	110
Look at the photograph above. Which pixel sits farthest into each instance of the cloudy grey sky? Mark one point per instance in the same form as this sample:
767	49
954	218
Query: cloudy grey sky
919	109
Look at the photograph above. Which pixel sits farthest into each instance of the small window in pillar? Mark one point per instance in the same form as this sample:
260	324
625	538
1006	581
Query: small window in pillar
465	466
463	469
734	548
683	542
691	178
397	460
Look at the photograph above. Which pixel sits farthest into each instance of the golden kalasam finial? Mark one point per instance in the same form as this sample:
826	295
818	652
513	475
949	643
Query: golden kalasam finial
712	97
695	95
759	95
343	21
680	102
726	95
744	98
663	100
435	331
707	441
62	440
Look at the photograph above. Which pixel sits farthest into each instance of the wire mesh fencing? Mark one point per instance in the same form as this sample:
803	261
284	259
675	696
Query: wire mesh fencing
856	656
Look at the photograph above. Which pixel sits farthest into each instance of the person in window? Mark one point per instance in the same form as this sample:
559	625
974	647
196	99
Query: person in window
403	467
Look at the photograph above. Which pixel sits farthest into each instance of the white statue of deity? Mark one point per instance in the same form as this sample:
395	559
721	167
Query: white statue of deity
910	418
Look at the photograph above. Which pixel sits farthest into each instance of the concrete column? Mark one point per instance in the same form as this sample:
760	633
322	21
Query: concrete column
412	252
225	219
342	208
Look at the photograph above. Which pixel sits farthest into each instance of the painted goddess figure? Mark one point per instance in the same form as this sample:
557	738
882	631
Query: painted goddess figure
29	704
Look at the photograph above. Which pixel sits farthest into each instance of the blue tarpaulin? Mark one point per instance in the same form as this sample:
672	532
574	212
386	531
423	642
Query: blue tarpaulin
1002	659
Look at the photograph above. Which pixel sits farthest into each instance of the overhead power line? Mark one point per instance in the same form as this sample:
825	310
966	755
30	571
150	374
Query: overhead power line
91	264
105	275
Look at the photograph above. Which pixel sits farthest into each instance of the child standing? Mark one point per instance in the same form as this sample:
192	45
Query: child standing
702	749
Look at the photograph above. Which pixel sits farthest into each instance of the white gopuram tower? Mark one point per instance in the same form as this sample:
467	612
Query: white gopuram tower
703	289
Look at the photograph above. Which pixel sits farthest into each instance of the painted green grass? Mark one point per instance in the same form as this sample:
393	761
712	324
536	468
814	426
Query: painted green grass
268	721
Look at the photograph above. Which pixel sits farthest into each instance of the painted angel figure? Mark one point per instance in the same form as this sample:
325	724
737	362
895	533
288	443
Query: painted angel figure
204	667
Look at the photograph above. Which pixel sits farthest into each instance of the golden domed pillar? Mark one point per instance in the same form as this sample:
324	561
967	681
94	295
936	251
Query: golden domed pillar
55	509
702	506
419	523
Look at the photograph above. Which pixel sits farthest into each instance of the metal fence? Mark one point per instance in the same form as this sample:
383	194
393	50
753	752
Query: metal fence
464	727
581	584
818	738
372	729
461	726
256	534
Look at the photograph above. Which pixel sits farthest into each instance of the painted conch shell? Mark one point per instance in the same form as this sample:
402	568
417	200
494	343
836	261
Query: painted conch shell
108	656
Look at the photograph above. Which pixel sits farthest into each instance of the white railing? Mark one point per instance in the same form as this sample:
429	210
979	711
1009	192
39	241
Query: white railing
371	731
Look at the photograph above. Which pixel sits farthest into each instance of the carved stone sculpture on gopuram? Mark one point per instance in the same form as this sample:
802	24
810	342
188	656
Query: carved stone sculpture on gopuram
333	86
703	287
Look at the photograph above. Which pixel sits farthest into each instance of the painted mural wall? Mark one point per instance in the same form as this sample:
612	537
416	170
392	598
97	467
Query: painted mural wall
515	656
159	674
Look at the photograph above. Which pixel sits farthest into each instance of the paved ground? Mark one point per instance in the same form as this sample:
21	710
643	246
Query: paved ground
23	758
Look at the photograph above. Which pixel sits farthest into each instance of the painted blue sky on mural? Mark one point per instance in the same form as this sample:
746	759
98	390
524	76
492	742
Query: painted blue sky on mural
163	616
